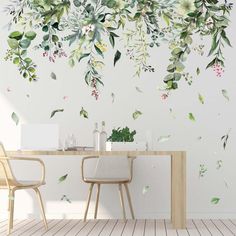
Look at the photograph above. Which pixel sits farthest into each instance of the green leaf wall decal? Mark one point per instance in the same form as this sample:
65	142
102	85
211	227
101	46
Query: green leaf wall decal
15	118
84	113
136	114
62	178
117	57
56	111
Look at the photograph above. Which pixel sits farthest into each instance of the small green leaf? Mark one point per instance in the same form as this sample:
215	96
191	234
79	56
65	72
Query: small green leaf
83	56
64	197
225	94
201	98
117	57
16	35
112	40
16	60
215	200
62	178
145	189
71	62
30	35
53	76
113	97
28	60
136	114
138	89
98	50
163	138
55	111
198	71
13	43
55	38
83	113
15	118
191	116
25	43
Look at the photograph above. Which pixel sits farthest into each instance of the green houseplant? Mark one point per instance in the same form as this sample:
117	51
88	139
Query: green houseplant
122	135
123	139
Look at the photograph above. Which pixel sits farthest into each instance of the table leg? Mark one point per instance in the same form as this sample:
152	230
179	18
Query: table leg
178	190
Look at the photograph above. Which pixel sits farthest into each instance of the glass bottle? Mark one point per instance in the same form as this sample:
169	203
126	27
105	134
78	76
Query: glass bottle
103	137
96	138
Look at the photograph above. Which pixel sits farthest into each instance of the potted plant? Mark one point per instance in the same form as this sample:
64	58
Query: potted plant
123	139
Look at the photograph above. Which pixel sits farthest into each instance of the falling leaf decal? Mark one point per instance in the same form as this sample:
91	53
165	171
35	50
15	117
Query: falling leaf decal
15	118
198	71
53	76
215	200
164	138
199	138
138	89
202	170
191	116
226	184
225	138
145	189
55	111
83	113
62	178
136	114
8	89
225	94
113	97
27	95
219	164
201	98
64	197
117	57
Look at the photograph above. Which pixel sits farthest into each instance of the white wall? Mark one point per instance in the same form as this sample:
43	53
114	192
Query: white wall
213	120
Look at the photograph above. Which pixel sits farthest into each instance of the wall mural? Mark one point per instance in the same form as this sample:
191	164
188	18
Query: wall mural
88	27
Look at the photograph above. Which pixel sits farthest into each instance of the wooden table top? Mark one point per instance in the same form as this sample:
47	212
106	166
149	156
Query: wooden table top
91	153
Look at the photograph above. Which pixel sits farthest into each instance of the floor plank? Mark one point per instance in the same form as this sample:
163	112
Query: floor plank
169	229
88	228
222	228
98	228
229	225
63	227
68	227
150	228
118	229
161	228
212	228
107	230
139	228
191	228
129	228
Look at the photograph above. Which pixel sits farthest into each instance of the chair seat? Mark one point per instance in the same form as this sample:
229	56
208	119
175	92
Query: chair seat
106	180
21	183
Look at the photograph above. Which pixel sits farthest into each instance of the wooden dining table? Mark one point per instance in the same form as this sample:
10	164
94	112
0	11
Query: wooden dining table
178	174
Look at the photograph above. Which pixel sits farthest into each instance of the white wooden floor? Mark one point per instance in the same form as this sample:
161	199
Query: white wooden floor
120	228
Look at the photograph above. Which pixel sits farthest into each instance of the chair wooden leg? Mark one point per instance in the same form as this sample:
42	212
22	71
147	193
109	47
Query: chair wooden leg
88	202
97	200
11	209
122	201
129	200
41	207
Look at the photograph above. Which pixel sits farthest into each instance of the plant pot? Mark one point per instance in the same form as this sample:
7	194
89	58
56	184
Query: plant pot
125	146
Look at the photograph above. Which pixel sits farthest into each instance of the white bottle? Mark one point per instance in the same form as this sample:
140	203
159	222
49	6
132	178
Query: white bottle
103	138
96	138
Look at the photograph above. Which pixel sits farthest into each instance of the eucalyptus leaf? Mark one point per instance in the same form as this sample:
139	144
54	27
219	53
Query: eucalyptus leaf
138	89
191	116
56	111
201	98
136	114
15	118
16	35
62	178
215	200
53	76
117	57
225	94
13	43
84	113
145	189
30	35
198	71
25	43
